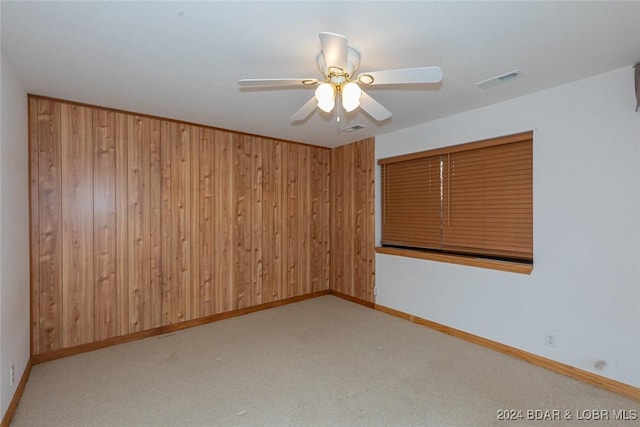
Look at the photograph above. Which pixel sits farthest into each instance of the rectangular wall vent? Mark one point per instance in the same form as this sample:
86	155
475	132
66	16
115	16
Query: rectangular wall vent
352	128
502	78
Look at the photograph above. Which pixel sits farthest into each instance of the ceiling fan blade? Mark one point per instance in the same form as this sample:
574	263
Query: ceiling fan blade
334	50
403	75
373	107
277	82
305	110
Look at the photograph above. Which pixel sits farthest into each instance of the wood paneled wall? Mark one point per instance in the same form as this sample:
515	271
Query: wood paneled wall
139	222
353	220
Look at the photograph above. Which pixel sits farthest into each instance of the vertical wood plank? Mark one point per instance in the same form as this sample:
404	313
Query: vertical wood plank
371	226
279	221
77	225
256	220
167	134
155	224
326	216
269	207
138	222
274	193
266	150
144	245
337	219
316	250
177	291
348	217
248	269
292	221
284	222
50	223
181	284
104	225
122	223
195	159
34	225
360	253
241	222
206	221
224	222
304	221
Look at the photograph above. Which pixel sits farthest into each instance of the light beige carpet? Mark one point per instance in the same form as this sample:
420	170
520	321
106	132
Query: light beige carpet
320	362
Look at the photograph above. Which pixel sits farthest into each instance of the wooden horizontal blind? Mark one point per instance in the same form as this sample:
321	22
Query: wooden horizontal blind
412	203
474	198
490	200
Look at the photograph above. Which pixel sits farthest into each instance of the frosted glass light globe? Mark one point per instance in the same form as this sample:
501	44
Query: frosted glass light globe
351	93
325	94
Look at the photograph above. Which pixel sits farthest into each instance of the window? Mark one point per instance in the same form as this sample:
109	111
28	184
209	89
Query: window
471	199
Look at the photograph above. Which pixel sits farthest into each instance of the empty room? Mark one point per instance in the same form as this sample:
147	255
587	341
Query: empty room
351	213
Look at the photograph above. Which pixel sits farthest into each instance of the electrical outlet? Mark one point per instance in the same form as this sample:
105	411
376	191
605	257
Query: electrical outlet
12	375
550	339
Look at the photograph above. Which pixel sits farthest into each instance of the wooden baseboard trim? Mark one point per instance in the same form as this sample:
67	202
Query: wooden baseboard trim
352	299
558	367
83	348
13	405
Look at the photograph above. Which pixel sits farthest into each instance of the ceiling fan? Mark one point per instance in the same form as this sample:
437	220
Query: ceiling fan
338	63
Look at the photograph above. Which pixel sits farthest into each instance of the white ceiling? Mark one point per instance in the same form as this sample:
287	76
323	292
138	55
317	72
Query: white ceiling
182	60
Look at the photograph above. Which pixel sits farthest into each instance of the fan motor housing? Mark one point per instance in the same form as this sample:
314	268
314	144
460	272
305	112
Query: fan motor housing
353	62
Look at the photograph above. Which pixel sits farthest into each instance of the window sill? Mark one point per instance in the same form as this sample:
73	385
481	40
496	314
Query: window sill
513	267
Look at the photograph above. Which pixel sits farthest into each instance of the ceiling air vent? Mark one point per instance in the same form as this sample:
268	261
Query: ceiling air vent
497	80
352	128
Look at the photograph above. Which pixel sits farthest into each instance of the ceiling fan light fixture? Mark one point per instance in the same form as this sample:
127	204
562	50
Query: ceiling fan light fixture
351	93
338	63
326	97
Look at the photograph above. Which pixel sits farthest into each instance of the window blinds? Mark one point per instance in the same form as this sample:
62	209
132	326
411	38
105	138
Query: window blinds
474	198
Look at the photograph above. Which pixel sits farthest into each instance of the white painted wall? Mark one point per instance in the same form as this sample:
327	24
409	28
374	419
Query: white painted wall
585	285
14	232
